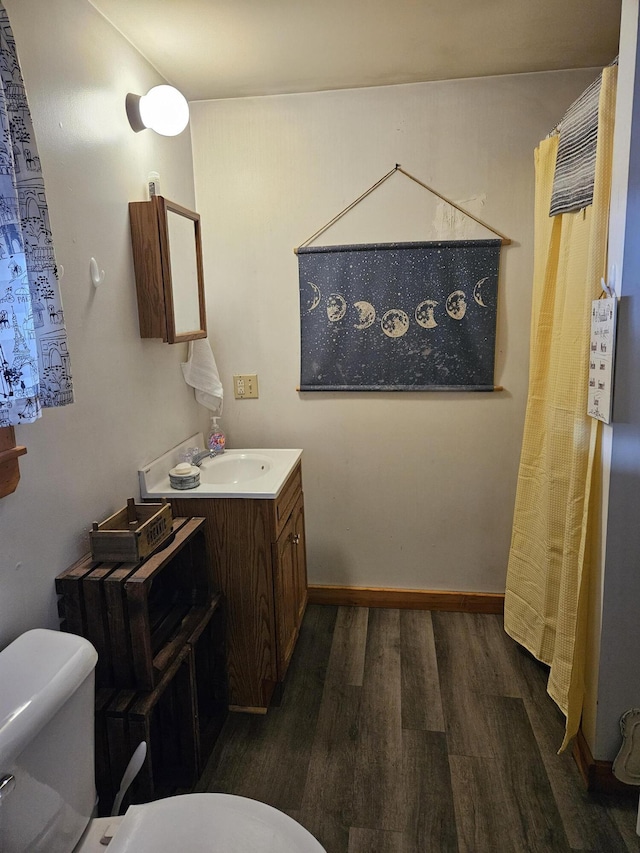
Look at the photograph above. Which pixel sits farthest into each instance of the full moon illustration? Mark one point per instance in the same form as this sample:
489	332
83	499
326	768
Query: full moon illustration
477	292
310	297
395	323
456	304
336	307
424	314
366	315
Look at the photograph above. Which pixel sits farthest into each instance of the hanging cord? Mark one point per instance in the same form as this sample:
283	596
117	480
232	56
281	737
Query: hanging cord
505	240
398	168
347	209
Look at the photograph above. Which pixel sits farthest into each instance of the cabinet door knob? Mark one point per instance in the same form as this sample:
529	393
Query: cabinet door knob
295	538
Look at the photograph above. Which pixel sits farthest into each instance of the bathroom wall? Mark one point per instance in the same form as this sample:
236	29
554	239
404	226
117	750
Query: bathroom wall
407	490
131	401
619	671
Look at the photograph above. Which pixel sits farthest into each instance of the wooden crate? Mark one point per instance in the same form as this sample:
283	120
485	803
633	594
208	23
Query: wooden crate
164	600
180	719
104	784
132	533
208	642
166	719
132	611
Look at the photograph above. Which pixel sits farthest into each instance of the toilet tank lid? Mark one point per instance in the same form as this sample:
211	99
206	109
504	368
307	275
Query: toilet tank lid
39	672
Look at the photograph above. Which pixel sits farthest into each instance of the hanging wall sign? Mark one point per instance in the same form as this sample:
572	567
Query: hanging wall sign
601	352
399	316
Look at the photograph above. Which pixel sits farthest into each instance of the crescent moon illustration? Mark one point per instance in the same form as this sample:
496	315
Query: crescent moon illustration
395	323
424	314
366	315
311	298
477	294
336	307
456	304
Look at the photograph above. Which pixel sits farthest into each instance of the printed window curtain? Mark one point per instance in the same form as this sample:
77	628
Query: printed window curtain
34	357
547	576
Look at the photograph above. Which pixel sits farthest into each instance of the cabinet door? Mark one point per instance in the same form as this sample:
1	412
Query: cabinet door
290	584
300	556
285	598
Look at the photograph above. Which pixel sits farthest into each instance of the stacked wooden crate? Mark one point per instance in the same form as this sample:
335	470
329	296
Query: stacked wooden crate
159	633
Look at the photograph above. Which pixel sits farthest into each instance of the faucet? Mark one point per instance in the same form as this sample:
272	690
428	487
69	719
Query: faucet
204	454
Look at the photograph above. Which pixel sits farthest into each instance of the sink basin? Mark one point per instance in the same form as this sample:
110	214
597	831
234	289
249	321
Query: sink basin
234	466
253	473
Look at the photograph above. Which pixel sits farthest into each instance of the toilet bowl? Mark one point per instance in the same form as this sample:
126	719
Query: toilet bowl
47	788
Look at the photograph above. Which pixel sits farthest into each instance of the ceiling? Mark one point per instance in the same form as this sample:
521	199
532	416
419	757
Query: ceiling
234	48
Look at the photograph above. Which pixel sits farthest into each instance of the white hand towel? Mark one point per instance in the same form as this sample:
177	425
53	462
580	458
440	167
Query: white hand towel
200	371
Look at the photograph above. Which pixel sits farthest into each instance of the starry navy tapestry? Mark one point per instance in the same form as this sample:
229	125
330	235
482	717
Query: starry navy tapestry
399	316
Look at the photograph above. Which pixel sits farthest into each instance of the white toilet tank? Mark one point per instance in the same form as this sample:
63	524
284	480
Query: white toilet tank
46	741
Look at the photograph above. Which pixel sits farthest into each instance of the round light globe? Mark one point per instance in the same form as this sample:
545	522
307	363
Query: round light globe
165	110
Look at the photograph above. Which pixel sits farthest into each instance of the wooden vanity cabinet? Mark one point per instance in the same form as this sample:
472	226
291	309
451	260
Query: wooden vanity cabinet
257	553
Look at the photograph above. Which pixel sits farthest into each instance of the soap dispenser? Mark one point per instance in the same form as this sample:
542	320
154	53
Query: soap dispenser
216	440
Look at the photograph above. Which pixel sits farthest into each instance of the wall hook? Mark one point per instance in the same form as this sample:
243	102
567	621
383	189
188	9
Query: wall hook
97	275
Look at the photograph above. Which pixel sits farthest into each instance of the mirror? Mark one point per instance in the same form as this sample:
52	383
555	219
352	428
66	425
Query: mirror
183	262
167	255
184	283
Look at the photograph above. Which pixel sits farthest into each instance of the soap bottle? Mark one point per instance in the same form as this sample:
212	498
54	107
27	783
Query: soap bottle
216	440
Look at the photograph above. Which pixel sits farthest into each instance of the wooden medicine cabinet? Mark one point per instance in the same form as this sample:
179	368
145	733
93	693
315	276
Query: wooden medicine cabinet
167	257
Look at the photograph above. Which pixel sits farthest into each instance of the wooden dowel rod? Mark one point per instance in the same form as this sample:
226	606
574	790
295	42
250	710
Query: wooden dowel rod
347	209
495	388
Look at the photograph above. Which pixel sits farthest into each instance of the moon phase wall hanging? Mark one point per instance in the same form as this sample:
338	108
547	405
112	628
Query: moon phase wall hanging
399	316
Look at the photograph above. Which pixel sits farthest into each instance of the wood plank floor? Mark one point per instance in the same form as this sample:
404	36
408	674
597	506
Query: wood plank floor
405	731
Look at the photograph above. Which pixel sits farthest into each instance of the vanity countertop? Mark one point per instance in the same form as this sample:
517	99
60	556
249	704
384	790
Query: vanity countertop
236	473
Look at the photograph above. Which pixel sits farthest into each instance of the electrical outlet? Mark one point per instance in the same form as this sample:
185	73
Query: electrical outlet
245	386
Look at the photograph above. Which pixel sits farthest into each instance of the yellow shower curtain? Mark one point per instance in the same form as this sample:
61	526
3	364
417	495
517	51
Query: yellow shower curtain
547	576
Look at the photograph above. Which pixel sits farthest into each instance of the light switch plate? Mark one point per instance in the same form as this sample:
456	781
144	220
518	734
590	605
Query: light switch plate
245	386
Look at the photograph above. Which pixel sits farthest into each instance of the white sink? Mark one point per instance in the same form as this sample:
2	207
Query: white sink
254	473
234	466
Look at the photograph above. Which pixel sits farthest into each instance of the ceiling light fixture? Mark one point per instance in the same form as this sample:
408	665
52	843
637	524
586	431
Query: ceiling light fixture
163	109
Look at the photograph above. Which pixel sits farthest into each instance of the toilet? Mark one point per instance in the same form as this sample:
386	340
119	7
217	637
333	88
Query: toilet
47	785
